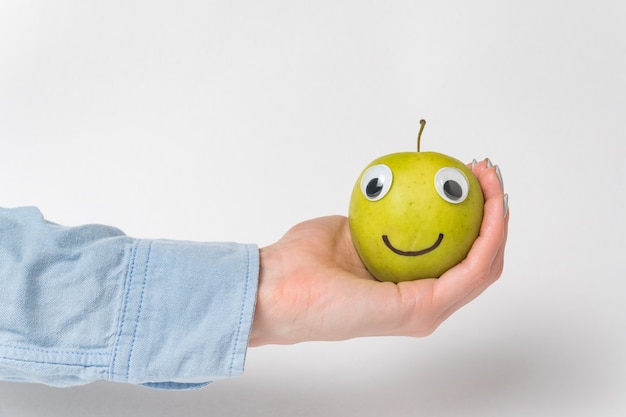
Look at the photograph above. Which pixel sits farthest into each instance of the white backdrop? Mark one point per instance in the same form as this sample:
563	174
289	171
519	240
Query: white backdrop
234	120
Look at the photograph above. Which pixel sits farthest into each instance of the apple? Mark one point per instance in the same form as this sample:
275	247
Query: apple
414	215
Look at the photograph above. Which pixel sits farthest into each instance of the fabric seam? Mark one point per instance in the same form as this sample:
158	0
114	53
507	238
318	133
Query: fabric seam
241	315
124	307
54	351
141	299
73	365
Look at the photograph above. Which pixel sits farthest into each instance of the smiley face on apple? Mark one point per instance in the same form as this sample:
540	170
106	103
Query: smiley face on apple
414	215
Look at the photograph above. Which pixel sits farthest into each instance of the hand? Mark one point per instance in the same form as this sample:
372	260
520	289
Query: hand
313	286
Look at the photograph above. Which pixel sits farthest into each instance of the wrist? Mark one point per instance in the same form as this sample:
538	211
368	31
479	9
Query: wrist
262	332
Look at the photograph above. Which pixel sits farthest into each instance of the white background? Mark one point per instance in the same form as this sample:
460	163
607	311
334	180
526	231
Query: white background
234	120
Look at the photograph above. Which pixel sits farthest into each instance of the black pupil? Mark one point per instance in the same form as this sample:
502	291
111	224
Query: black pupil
453	190
374	187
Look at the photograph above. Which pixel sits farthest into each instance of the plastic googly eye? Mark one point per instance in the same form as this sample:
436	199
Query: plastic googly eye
376	182
452	185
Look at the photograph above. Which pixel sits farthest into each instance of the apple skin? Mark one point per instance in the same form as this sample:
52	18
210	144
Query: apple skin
413	216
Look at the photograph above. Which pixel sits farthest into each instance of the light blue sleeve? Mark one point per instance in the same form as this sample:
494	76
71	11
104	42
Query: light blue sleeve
79	304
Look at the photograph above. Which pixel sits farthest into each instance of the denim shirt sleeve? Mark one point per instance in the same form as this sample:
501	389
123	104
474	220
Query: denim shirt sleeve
79	304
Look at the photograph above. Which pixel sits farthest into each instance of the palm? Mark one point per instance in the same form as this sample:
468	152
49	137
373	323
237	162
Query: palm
327	281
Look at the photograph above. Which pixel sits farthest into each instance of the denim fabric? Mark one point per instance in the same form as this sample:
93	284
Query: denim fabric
79	304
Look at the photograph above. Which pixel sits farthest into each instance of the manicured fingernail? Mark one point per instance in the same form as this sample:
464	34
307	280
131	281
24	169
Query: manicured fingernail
474	162
506	204
499	174
489	163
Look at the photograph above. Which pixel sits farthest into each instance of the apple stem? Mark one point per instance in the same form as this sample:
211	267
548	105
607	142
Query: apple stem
419	135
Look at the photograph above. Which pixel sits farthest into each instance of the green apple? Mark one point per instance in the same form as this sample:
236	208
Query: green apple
414	215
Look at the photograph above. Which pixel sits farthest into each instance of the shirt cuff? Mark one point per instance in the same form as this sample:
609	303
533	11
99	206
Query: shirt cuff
187	313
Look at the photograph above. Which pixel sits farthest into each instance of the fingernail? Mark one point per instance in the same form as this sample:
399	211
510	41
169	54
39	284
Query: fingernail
489	164
474	162
499	174
506	204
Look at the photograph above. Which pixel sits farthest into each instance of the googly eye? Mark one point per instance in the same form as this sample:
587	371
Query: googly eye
452	185
376	182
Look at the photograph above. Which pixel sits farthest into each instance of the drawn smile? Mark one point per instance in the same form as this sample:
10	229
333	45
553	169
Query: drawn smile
413	253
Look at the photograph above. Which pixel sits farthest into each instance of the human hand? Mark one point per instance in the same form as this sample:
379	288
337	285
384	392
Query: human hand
313	285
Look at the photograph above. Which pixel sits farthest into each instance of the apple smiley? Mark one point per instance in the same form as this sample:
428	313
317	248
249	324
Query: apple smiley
414	215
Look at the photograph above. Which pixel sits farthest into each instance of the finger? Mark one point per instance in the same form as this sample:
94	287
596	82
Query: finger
490	182
495	271
478	167
473	274
489	176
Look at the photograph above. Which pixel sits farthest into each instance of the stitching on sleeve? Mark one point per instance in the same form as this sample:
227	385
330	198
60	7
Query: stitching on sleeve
143	290
52	351
128	284
241	315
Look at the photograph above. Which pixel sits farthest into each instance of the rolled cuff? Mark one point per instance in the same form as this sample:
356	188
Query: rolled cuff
187	313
